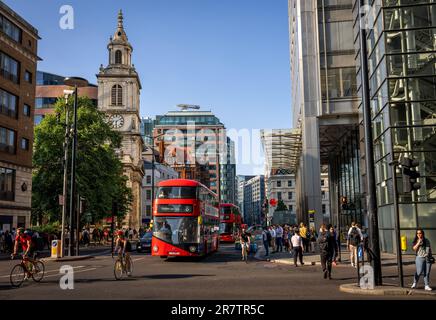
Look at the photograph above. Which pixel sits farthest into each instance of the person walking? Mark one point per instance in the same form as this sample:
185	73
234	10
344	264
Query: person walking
334	233
286	238
303	235
297	248
326	244
8	242
279	239
313	235
424	259
266	239
354	238
273	239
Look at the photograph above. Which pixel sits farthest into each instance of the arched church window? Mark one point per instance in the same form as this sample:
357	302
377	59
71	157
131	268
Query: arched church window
118	57
117	95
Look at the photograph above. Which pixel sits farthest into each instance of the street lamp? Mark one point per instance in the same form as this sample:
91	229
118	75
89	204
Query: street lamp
67	94
152	167
76	83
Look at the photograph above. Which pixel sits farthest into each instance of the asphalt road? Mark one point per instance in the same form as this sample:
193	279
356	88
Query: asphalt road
219	276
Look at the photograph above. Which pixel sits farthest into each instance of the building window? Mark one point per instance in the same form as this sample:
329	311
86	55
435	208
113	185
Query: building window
25	144
26	110
7	140
9	67
10	29
28	76
118	57
117	95
289	183
45	103
148	194
7	184
148	210
322	183
279	184
291	208
323	195
148	179
8	104
324	209
290	195
279	195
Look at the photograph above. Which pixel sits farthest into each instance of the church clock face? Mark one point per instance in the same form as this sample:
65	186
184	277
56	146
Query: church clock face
117	121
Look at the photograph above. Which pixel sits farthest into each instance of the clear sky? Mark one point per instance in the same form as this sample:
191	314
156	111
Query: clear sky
228	56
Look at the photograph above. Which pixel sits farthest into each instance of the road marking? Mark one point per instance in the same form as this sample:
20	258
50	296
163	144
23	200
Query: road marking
57	275
57	270
138	259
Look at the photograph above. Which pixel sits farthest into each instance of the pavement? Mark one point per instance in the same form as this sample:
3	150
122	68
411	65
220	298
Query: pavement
389	270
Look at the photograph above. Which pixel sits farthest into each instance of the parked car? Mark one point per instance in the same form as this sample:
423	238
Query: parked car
144	244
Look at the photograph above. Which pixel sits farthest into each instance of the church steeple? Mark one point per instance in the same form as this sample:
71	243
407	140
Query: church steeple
120	50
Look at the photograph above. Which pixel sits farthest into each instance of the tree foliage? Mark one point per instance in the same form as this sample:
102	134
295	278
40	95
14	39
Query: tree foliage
99	172
281	206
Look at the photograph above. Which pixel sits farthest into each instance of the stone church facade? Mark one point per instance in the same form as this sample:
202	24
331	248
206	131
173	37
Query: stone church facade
118	96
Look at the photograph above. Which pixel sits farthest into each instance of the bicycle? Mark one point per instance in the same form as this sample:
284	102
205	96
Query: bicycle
27	267
120	267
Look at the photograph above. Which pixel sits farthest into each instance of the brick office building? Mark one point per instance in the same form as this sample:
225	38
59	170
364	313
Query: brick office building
18	60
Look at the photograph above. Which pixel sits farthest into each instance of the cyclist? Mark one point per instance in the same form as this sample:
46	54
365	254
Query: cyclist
123	246
244	239
27	245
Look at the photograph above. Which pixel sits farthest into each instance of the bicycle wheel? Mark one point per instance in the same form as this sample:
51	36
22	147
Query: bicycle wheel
118	270
38	271
17	276
129	266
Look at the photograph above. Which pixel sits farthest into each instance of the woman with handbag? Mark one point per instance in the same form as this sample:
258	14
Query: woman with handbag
424	259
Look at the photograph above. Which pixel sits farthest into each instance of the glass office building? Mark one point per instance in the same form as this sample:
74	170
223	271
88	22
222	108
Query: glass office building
401	41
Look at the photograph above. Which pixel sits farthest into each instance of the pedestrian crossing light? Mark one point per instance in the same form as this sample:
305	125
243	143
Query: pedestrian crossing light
410	175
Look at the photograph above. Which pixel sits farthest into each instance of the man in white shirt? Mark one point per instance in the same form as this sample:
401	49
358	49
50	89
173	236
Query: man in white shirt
273	238
297	248
354	238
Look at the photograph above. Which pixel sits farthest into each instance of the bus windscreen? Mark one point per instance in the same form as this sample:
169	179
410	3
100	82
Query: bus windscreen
177	193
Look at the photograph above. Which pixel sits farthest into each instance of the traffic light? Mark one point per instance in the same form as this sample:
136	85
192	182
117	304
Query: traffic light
410	175
344	203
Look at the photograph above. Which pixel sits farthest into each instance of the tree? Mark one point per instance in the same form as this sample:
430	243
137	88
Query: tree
281	206
99	172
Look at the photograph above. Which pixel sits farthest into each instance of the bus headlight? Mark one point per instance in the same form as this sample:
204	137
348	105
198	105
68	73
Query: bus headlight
155	248
192	249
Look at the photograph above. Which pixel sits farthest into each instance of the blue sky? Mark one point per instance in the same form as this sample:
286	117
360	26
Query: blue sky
228	56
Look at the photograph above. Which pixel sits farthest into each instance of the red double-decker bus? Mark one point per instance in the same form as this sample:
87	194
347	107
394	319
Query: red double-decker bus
185	219
230	222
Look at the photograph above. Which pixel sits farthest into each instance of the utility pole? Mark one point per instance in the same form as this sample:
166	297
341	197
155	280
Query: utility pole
371	199
65	183
76	83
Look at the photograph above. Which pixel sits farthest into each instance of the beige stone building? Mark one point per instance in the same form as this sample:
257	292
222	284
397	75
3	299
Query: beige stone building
118	96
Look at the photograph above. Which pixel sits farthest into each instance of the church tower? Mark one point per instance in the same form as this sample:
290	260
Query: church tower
118	96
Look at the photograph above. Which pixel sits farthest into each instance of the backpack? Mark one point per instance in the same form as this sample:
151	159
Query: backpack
268	236
354	237
323	242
